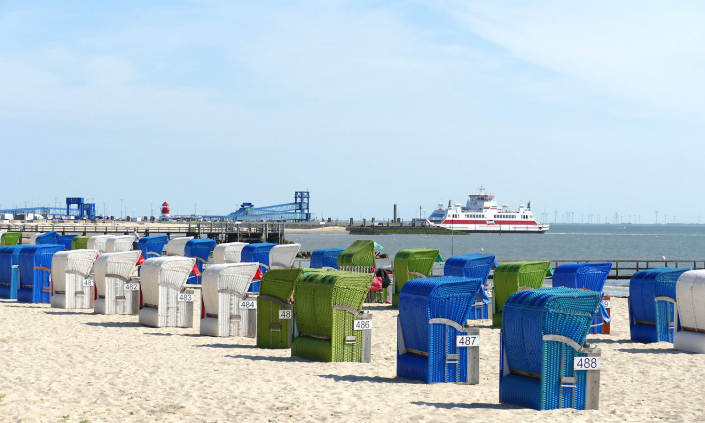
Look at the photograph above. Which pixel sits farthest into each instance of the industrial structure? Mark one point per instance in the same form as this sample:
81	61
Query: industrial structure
298	211
82	210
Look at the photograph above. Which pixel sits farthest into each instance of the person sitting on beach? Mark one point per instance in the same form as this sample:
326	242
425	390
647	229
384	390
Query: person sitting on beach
136	240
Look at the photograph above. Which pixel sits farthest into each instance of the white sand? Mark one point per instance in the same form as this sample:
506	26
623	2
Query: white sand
77	366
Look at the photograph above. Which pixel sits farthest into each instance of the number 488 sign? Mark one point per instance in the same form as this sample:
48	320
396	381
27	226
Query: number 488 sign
587	363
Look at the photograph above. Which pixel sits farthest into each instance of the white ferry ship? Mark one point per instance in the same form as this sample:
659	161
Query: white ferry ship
481	214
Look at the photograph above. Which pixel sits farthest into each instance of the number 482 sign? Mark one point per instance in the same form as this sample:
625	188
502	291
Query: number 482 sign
587	363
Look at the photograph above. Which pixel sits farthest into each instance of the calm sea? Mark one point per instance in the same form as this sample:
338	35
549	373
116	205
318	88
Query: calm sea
562	242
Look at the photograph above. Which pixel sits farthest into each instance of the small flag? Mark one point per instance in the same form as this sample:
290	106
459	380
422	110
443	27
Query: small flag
440	259
195	270
258	275
379	247
140	261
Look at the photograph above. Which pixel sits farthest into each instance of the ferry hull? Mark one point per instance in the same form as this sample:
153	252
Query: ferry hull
524	229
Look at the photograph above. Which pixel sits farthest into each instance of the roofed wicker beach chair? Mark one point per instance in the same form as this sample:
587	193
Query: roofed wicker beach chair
98	243
326	306
66	241
45	238
119	243
590	276
433	312
652	297
474	266
269	256
690	301
69	270
228	252
275	314
176	246
411	264
116	292
327	257
10	238
360	258
200	249
512	277
543	331
224	287
35	272
152	246
9	271
80	242
163	281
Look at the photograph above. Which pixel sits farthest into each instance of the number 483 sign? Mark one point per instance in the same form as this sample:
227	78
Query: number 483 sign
587	363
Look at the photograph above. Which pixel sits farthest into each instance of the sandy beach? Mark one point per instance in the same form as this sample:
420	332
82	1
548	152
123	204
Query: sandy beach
73	366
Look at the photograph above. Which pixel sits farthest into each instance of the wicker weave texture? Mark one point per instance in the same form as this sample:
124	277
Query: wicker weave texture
279	283
9	259
473	266
68	271
112	271
35	272
649	319
324	330
447	297
98	243
327	257
360	253
527	317
119	243
590	276
509	277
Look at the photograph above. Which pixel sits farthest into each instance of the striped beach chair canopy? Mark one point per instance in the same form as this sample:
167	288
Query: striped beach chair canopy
652	294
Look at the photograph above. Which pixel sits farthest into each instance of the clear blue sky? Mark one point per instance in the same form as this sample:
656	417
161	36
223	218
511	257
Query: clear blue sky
585	107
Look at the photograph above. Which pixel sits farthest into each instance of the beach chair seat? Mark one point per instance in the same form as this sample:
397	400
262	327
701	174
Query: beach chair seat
9	271
652	298
432	313
98	243
176	246
80	242
276	293
326	305
543	331
152	246
327	257
66	241
224	286
113	274
35	272
10	238
411	264
50	237
162	280
119	243
200	249
690	302
511	277
69	269
590	276
228	252
474	266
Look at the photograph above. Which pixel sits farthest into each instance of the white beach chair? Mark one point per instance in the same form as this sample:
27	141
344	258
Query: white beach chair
113	281
690	305
282	256
119	243
223	287
98	243
176	246
33	239
163	279
228	252
69	269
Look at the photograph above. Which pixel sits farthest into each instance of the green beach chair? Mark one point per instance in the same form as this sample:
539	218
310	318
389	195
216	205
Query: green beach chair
326	305
360	258
511	277
410	264
80	243
275	294
11	238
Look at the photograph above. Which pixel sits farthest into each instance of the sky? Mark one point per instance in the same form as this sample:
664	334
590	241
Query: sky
584	107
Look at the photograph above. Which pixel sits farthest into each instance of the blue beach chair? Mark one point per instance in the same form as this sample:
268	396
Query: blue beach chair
35	273
590	276
152	246
432	312
652	295
9	271
66	241
201	250
47	238
543	330
473	266
256	253
326	258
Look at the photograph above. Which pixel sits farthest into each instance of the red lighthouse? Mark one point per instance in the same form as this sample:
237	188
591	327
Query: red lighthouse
165	209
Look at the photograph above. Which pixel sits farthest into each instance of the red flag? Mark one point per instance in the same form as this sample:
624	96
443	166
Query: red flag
140	261
258	275
195	270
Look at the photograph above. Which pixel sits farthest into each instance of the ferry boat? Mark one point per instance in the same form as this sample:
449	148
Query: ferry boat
481	214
